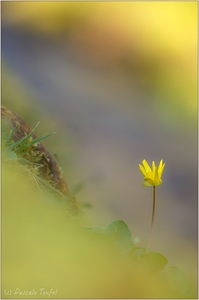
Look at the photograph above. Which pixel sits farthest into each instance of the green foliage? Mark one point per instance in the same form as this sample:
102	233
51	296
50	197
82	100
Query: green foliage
17	150
119	232
174	280
23	145
155	261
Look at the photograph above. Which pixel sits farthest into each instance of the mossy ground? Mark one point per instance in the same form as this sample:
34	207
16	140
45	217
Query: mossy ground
36	159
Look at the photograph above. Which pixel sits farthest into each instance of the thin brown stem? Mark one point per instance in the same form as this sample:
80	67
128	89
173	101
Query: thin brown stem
153	216
154	205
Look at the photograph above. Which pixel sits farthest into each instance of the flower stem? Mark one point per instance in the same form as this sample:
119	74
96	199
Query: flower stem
153	216
154	204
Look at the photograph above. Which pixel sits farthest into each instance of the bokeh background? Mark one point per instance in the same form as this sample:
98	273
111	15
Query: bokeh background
118	82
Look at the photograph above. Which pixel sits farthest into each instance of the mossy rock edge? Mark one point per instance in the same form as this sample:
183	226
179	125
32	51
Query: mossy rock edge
49	170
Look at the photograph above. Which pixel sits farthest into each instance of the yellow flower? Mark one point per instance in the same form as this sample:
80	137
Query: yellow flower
152	176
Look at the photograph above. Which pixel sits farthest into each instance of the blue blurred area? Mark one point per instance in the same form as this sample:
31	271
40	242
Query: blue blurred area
115	125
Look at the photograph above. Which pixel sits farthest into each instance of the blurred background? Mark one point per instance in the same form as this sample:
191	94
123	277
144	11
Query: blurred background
118	83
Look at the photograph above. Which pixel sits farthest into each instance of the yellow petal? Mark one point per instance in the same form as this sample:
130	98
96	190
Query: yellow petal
142	170
152	176
160	164
161	168
146	166
153	166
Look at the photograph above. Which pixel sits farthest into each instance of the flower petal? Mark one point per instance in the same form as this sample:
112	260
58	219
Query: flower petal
153	166
161	168
146	166
142	170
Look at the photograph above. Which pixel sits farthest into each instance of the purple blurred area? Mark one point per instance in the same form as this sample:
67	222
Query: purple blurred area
115	104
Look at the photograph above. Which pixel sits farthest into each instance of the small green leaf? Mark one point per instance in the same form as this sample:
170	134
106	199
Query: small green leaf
13	146
24	143
118	231
10	136
40	138
155	261
121	233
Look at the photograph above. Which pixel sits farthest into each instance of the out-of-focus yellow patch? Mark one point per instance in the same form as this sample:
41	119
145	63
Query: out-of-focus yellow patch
45	248
162	35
